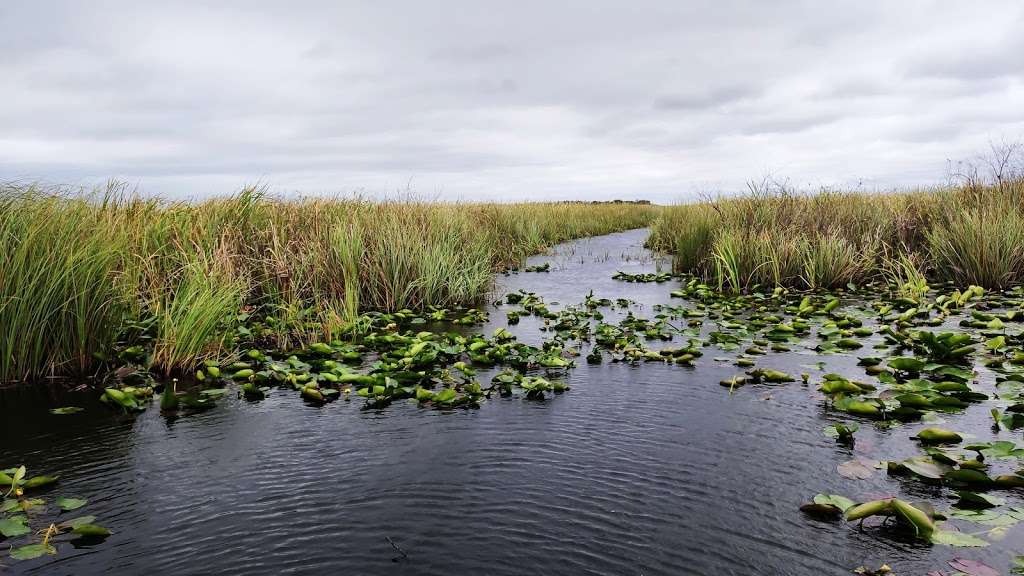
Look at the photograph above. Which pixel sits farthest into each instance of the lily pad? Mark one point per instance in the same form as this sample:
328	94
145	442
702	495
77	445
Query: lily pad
32	551
990	517
64	410
74	522
90	531
906	364
68	504
925	467
14	526
978	500
958	539
841	502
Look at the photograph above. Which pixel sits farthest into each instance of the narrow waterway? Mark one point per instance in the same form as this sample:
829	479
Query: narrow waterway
652	469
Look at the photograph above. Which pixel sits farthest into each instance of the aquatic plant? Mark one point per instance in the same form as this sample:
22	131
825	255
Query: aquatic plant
20	517
970	234
81	275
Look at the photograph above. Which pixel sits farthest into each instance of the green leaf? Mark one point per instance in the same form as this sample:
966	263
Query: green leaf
40	481
90	530
926	467
977	500
67	410
75	522
906	364
996	343
986	517
32	551
1003	449
841	502
445	396
959	539
19	474
68	504
14	526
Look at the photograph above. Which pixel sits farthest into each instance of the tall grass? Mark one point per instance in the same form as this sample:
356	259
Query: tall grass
983	245
59	306
78	273
970	234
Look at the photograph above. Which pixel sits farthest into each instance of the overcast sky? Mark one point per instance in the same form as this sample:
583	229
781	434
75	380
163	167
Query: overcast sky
503	100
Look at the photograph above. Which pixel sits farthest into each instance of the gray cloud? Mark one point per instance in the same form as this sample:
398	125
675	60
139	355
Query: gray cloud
498	100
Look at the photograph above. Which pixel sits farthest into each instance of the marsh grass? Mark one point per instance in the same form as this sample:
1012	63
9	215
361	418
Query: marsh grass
970	234
982	245
77	273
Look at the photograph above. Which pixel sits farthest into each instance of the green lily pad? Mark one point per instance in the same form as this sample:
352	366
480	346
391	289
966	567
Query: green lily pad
978	500
68	504
926	467
906	364
14	526
63	410
91	531
841	502
990	517
958	539
75	522
32	551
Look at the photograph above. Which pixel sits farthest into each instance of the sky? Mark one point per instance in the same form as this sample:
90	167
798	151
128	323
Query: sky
506	101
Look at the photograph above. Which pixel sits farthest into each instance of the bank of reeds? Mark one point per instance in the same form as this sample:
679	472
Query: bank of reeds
78	273
970	234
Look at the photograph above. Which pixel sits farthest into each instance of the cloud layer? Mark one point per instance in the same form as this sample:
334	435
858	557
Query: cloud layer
503	100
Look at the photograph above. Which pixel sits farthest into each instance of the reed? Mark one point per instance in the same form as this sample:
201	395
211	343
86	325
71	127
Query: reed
969	234
79	273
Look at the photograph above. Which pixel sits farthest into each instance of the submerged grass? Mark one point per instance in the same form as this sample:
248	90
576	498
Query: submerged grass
78	273
971	234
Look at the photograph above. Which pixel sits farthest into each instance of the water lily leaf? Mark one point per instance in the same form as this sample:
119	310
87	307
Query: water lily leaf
68	504
977	500
74	522
67	410
987	517
953	372
214	392
14	526
958	539
32	551
926	467
40	481
996	343
1003	449
90	531
906	364
841	502
855	470
972	567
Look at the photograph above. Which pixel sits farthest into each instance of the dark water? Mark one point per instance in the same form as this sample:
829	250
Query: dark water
638	470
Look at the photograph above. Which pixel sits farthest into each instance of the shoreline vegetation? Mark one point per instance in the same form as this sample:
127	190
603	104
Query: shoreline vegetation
79	274
85	276
970	234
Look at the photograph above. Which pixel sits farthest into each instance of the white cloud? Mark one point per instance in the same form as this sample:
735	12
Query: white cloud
500	100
